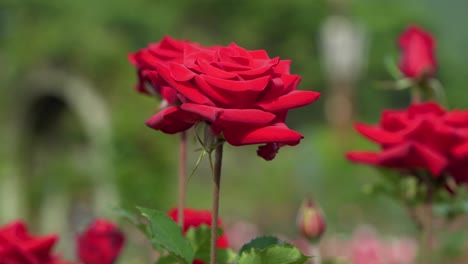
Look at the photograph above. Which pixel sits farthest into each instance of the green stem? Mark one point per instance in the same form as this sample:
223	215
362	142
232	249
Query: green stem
315	250
427	235
416	95
182	177
215	209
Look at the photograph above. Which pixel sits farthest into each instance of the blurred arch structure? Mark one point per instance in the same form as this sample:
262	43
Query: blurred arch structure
35	137
344	47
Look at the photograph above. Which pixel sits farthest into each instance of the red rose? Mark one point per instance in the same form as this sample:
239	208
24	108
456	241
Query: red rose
145	60
424	136
417	57
243	95
101	243
195	218
17	246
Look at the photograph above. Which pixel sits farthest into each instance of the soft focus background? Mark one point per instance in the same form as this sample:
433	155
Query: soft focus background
72	133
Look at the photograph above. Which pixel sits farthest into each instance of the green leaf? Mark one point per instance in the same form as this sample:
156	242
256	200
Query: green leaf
275	254
165	233
261	243
170	259
393	68
132	218
200	239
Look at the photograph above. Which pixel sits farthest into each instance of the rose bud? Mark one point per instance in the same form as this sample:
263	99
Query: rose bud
100	243
418	53
310	220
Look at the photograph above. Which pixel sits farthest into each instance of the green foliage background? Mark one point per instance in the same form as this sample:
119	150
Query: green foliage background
92	39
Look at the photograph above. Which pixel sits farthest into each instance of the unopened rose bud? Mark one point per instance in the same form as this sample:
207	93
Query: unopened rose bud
310	220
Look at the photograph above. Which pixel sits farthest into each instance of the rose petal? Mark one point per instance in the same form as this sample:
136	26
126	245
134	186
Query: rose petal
255	85
268	151
185	88
289	101
215	72
363	157
207	113
457	118
425	108
180	73
171	120
259	54
222	99
268	134
378	135
460	151
236	117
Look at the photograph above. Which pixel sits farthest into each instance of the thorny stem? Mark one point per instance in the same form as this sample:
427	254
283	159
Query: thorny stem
215	209
182	177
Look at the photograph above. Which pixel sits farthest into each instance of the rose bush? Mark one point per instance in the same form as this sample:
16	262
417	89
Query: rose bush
17	246
100	243
424	136
243	95
418	53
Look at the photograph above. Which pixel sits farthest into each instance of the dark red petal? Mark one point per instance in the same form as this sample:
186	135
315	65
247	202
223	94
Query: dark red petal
268	151
378	135
249	74
259	54
40	247
457	118
214	71
238	136
256	85
237	117
291	100
425	108
363	157
186	89
413	154
460	151
207	113
171	120
216	95
283	67
180	73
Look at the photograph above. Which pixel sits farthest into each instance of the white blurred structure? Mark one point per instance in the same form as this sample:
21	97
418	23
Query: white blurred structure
344	57
39	102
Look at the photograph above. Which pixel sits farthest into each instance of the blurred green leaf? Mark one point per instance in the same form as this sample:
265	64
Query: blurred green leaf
170	259
275	254
167	234
261	243
200	239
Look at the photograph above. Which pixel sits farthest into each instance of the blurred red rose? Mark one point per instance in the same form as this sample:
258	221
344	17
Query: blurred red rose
100	243
243	95
424	136
145	60
17	246
418	56
195	218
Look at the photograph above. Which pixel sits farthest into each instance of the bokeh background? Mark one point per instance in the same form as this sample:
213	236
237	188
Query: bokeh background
72	127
